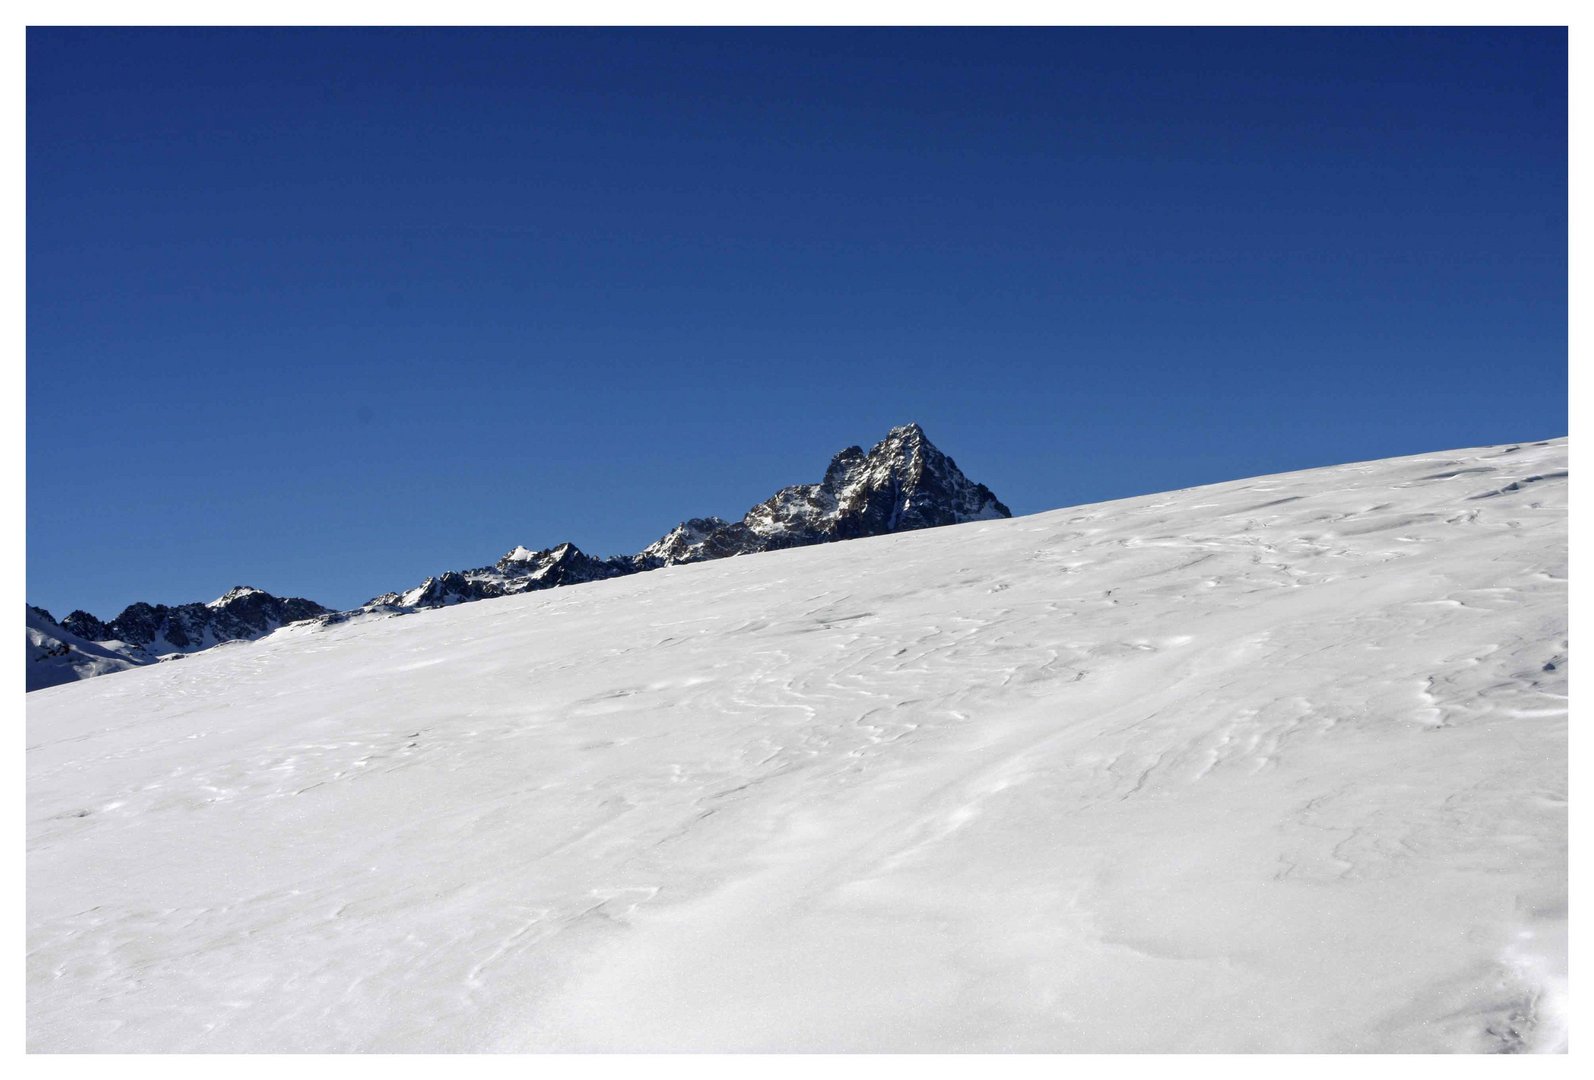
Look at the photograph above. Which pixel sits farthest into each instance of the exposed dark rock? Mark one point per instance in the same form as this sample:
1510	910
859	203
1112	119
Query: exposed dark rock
87	626
243	614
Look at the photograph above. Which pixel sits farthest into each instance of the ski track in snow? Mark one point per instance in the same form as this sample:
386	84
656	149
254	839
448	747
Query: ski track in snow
1271	765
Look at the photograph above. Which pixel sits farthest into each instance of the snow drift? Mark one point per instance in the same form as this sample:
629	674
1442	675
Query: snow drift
1277	764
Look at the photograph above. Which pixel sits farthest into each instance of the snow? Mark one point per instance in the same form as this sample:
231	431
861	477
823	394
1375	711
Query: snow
237	592
417	594
1272	765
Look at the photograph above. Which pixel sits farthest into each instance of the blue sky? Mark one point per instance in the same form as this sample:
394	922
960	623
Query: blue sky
327	311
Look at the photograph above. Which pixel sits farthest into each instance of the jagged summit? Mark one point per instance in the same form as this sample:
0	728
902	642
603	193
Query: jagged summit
902	483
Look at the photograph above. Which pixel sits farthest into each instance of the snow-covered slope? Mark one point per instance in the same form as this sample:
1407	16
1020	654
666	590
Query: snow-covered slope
1277	764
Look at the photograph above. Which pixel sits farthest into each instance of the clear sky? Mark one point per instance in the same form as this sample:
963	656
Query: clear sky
327	311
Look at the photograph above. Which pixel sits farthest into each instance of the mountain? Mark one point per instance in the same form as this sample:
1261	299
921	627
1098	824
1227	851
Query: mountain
1272	765
904	483
56	655
151	631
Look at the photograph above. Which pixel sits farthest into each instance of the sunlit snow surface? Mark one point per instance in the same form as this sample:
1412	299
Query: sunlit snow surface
1277	764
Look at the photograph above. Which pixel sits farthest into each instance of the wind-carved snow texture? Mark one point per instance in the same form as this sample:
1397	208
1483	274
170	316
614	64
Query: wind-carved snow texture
1272	765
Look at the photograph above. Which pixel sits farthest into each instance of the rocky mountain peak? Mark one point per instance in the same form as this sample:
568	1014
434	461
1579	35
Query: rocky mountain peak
902	483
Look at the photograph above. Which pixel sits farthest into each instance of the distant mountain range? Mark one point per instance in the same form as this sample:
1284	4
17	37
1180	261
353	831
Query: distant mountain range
903	483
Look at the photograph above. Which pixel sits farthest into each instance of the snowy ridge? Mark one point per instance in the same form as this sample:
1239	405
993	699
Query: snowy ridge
903	483
55	655
1271	765
145	633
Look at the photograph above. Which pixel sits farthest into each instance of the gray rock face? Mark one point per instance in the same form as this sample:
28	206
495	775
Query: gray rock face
903	483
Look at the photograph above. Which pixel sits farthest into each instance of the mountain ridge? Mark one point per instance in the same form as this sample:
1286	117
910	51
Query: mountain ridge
56	655
903	483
